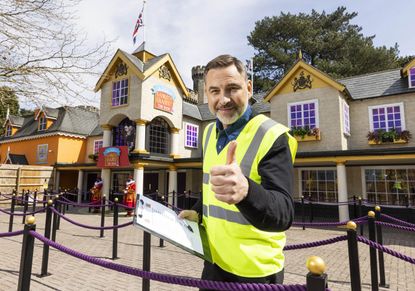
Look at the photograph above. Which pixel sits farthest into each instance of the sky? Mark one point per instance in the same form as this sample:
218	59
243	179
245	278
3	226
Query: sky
195	31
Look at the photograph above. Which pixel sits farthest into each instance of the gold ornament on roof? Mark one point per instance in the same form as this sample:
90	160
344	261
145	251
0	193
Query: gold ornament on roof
164	73
121	69
302	82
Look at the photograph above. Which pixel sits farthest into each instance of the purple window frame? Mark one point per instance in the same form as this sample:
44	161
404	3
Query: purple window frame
387	118
346	116
304	114
411	76
97	145
120	92
192	132
42	123
8	130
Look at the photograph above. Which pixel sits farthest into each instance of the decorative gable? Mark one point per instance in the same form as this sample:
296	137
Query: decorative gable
303	76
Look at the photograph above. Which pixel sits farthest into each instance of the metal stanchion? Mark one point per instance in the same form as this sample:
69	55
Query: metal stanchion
379	237
115	231
45	256
373	260
26	205
26	258
58	206
316	278
354	207
55	221
353	256
161	241
101	232
360	215
34	201
146	259
303	212
12	212
310	203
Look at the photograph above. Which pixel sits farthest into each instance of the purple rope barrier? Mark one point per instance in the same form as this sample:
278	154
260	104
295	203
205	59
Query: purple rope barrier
88	226
6	199
22	214
316	243
398	221
396	226
125	206
166	278
13	233
68	202
359	220
386	250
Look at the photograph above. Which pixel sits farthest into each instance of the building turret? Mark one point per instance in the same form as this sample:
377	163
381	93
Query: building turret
199	83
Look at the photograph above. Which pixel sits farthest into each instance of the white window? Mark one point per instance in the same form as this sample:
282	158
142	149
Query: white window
303	114
320	185
42	154
97	145
346	118
391	185
42	123
387	117
9	130
191	135
411	77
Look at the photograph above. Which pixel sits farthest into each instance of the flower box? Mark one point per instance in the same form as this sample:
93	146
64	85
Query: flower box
388	137
307	137
305	133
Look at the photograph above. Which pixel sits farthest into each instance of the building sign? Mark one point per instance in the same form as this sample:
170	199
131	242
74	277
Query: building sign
113	157
163	98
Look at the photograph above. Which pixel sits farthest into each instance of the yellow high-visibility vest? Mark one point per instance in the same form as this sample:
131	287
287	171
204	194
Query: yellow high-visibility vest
237	246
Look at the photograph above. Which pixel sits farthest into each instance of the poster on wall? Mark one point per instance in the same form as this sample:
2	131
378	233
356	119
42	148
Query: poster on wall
113	157
42	153
163	98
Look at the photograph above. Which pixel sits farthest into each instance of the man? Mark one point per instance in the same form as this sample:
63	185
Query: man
247	181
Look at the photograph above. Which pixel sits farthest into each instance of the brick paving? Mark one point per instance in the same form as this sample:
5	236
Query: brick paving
68	273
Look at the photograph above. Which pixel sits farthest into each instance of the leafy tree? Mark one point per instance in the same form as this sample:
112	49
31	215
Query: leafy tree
328	41
8	100
43	56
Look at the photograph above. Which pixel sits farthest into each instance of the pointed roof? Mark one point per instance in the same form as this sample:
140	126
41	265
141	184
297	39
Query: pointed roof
142	69
78	121
51	113
300	64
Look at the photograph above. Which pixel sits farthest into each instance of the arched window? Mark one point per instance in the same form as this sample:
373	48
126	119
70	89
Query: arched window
124	134
158	136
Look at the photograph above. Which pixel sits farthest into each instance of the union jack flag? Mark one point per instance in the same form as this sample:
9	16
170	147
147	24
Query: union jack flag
138	24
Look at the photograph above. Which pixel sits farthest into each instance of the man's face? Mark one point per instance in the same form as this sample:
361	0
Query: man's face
228	93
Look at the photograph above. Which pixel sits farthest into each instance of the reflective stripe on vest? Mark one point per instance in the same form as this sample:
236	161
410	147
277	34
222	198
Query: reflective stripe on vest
237	246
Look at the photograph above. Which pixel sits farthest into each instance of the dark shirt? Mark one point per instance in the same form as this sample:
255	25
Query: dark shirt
268	206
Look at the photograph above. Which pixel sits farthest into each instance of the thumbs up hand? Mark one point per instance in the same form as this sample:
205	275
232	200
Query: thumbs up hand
228	182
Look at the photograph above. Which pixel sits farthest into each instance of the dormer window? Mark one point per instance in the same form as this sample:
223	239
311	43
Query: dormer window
8	130
411	77
42	123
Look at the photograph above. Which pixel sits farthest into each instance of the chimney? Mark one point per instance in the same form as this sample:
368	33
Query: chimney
199	83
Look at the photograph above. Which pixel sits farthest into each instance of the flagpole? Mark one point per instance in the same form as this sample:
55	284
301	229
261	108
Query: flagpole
144	24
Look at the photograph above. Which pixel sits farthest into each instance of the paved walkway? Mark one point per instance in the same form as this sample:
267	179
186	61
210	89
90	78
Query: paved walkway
68	273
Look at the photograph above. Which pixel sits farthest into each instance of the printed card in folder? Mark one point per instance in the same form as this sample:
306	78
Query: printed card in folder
163	222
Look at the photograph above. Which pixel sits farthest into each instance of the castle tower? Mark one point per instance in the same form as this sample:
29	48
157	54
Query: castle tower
199	84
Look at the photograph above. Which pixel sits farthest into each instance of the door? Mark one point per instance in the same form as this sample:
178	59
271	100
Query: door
151	182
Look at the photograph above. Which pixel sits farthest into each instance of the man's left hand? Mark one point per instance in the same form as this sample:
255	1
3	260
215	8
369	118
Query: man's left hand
228	182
